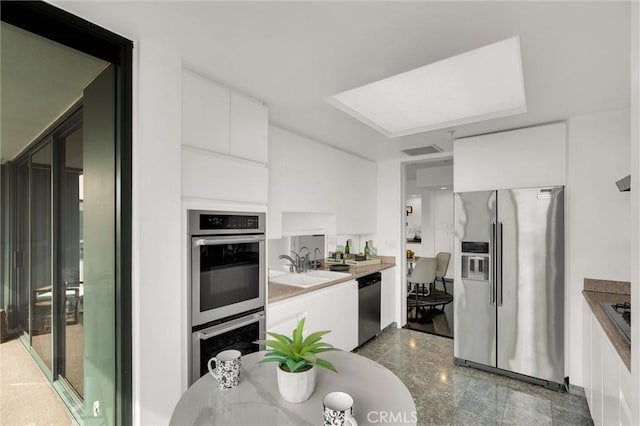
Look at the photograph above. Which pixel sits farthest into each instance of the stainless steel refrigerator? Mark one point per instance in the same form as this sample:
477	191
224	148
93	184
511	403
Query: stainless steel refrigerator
509	288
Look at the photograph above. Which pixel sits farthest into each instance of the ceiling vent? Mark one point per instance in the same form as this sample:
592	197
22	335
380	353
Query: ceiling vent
430	149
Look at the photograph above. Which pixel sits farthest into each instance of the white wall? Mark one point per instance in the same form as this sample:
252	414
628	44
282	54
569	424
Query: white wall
390	224
635	207
413	220
522	158
434	176
598	218
156	282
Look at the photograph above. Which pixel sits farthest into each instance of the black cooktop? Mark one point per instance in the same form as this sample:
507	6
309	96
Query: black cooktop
620	314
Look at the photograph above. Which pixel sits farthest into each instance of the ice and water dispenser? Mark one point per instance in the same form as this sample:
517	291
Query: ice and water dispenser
475	260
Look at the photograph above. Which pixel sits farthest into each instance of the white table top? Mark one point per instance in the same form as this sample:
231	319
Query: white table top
376	392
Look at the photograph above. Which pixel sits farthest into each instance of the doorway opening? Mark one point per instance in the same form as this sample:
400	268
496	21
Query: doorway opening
429	238
65	249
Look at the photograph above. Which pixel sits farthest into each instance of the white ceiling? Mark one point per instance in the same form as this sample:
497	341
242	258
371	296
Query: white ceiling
294	54
39	81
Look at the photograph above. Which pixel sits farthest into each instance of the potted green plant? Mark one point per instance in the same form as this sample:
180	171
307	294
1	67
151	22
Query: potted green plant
297	358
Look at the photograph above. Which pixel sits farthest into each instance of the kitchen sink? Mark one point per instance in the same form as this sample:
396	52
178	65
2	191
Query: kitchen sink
305	279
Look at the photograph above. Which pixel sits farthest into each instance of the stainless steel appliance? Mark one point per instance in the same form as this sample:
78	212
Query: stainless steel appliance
369	288
235	333
509	289
620	314
227	264
227	284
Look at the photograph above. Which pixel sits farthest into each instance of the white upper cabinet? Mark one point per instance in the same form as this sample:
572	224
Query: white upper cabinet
218	119
306	176
224	143
205	113
249	129
521	158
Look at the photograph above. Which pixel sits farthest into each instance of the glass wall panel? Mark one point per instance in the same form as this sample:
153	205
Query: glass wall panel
72	271
21	248
40	237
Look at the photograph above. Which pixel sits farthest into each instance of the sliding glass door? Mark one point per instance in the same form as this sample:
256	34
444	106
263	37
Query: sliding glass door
40	253
48	218
66	203
72	273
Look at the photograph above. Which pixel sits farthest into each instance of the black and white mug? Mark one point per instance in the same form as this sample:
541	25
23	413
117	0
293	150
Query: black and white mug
337	409
227	368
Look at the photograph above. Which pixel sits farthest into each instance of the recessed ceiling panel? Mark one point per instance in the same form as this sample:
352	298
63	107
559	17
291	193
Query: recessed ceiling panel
481	84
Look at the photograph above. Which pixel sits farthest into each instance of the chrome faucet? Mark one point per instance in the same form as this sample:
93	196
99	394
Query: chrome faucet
293	266
315	258
303	261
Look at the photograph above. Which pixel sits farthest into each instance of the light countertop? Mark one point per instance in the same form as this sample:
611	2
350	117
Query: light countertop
603	291
278	292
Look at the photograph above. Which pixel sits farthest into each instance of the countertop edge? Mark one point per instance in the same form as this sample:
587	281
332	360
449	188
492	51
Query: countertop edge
293	291
607	286
594	298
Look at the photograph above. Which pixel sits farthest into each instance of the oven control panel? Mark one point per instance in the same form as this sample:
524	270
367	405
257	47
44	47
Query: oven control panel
218	221
207	222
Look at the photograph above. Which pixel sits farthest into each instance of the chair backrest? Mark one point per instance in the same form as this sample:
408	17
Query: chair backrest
443	263
424	271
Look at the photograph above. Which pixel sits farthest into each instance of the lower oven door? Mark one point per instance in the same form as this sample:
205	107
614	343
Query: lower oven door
240	334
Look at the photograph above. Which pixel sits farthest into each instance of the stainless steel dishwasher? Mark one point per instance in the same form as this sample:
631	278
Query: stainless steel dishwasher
369	306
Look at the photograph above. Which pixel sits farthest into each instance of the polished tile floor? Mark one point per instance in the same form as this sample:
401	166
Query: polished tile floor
448	394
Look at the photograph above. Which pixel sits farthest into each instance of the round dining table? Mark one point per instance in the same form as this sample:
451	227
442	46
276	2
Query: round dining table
379	396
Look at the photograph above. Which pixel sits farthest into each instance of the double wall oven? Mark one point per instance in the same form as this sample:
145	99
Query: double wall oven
227	284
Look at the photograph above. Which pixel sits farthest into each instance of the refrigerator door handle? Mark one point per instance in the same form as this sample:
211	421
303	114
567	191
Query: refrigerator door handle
492	283
499	269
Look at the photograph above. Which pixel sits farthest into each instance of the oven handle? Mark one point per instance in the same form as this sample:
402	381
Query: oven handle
223	328
228	240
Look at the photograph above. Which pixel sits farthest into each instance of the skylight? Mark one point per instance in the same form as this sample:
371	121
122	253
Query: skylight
478	85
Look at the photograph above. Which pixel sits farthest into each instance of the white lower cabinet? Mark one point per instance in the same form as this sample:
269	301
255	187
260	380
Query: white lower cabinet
610	384
388	297
625	395
607	382
333	308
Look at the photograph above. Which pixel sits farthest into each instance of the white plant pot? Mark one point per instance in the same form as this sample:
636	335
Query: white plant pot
296	387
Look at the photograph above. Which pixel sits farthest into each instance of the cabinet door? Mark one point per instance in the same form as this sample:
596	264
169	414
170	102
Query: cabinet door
625	395
610	383
333	308
218	177
205	113
388	302
249	128
596	372
586	354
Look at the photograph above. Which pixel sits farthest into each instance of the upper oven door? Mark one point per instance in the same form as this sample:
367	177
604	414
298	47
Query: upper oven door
227	276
